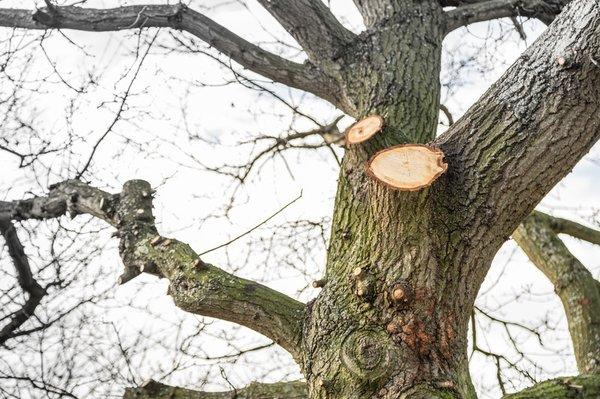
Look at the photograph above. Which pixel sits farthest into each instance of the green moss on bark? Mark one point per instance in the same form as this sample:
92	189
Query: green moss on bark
581	387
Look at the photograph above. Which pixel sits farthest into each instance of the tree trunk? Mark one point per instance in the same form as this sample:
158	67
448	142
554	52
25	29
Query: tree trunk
382	323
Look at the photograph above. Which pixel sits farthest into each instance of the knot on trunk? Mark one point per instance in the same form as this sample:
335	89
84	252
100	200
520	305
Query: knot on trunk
367	354
364	284
401	293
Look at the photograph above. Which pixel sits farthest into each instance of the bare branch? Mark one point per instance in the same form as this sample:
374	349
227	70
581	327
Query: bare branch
574	229
25	278
196	287
313	26
456	3
300	76
156	390
472	12
574	284
448	114
583	386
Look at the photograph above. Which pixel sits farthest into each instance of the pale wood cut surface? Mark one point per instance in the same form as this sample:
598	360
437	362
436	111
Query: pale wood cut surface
364	129
407	167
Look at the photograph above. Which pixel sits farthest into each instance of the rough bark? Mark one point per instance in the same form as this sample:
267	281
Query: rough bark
195	286
580	387
524	135
312	25
393	71
280	390
509	150
574	284
377	11
382	239
564	226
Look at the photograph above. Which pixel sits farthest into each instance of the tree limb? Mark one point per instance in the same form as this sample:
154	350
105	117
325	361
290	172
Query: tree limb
583	386
565	226
25	279
456	3
280	390
374	11
196	287
574	284
470	12
301	76
313	26
525	134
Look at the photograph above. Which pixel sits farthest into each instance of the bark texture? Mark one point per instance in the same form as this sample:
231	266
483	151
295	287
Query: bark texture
580	387
280	390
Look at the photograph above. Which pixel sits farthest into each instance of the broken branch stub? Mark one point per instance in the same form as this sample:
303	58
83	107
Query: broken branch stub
407	167
364	129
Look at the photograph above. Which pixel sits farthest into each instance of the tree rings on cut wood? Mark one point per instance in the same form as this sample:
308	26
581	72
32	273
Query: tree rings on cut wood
364	129
407	167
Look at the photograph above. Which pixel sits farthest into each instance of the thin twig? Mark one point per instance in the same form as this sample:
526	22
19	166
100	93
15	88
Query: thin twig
253	228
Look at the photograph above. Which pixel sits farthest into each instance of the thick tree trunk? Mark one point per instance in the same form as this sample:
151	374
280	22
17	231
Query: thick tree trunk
382	325
403	269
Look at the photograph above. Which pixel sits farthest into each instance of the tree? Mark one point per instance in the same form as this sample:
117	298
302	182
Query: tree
403	268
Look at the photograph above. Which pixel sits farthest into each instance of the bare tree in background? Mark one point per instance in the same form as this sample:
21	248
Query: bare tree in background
403	268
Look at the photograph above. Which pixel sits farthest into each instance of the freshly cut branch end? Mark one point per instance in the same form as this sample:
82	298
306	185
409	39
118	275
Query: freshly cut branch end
407	167
364	129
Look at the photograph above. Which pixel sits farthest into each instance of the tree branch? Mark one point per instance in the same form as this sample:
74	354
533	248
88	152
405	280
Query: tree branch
525	134
301	76
574	284
25	279
374	11
565	226
313	26
470	12
196	287
284	390
583	386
